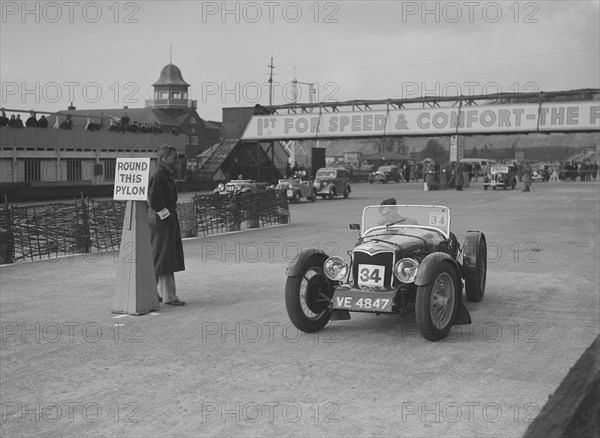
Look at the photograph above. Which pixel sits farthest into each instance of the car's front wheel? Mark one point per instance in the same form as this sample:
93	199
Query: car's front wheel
332	194
313	198
307	298
475	281
346	192
297	197
437	303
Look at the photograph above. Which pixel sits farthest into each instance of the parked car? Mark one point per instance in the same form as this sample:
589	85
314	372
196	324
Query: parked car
500	175
406	259
240	186
332	181
384	174
297	188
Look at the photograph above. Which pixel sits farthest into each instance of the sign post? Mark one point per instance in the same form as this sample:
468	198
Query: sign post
135	290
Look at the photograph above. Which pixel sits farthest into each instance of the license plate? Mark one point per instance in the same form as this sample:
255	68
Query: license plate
290	193
368	304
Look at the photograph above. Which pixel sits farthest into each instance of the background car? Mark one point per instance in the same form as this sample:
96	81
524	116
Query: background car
500	175
384	174
406	259
332	181
296	189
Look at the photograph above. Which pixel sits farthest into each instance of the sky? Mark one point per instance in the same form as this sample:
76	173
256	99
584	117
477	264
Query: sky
107	54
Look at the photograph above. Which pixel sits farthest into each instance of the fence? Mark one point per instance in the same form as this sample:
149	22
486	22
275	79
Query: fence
37	232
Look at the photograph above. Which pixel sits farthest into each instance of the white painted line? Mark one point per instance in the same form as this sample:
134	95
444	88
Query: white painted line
120	316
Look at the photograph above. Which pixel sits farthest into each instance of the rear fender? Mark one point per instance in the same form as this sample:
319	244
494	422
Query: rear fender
429	265
470	251
296	266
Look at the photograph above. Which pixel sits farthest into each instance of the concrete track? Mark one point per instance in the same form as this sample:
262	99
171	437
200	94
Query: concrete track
230	363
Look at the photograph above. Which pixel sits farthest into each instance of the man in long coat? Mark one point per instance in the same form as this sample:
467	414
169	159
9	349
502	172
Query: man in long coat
165	234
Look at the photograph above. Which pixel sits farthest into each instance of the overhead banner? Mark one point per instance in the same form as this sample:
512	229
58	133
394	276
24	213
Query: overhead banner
487	119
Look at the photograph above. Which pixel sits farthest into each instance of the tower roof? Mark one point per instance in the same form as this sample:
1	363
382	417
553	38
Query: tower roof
170	75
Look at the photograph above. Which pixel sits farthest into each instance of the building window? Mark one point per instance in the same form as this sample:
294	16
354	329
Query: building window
193	120
164	94
194	140
176	95
109	169
185	94
74	170
32	170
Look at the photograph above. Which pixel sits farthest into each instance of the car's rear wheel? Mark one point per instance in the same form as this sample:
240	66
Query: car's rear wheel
307	298
475	281
437	303
313	198
485	187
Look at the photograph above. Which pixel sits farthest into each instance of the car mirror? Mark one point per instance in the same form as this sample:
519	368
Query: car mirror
355	227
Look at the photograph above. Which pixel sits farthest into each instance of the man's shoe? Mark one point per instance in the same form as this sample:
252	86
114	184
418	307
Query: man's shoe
176	303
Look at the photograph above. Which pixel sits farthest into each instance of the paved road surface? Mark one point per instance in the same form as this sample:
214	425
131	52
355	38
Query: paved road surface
229	363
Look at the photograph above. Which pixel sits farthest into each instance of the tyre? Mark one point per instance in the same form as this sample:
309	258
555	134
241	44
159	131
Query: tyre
485	187
475	281
494	187
313	198
437	303
346	193
332	194
307	298
370	181
297	197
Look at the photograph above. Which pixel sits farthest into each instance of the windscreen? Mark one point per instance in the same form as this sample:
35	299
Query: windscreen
406	215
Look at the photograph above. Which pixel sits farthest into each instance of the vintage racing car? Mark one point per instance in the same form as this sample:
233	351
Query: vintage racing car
500	175
332	181
240	186
296	189
406	259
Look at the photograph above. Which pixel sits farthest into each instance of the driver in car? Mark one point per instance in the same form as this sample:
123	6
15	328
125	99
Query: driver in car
389	214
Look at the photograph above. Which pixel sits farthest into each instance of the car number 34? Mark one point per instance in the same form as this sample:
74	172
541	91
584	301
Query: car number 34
371	275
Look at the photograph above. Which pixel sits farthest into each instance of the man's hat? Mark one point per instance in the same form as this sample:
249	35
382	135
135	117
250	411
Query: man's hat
389	201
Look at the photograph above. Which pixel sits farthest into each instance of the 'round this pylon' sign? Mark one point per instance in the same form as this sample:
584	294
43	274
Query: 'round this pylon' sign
131	179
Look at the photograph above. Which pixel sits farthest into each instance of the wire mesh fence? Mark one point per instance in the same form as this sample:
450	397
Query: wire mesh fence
37	232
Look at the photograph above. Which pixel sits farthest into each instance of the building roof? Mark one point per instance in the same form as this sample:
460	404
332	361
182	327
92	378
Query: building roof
165	117
170	75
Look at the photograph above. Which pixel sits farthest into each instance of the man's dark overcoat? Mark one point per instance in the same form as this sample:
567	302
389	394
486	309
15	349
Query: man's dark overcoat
165	234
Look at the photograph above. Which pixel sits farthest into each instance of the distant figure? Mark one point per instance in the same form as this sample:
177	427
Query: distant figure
67	123
527	173
156	129
3	119
42	122
31	122
459	179
18	122
125	120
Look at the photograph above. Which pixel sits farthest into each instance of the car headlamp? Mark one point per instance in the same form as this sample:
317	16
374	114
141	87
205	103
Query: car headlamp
335	268
406	270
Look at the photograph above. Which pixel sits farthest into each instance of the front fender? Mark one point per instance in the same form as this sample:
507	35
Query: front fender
470	250
430	264
295	267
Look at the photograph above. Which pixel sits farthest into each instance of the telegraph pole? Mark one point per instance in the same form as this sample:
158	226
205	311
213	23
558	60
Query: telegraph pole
271	66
